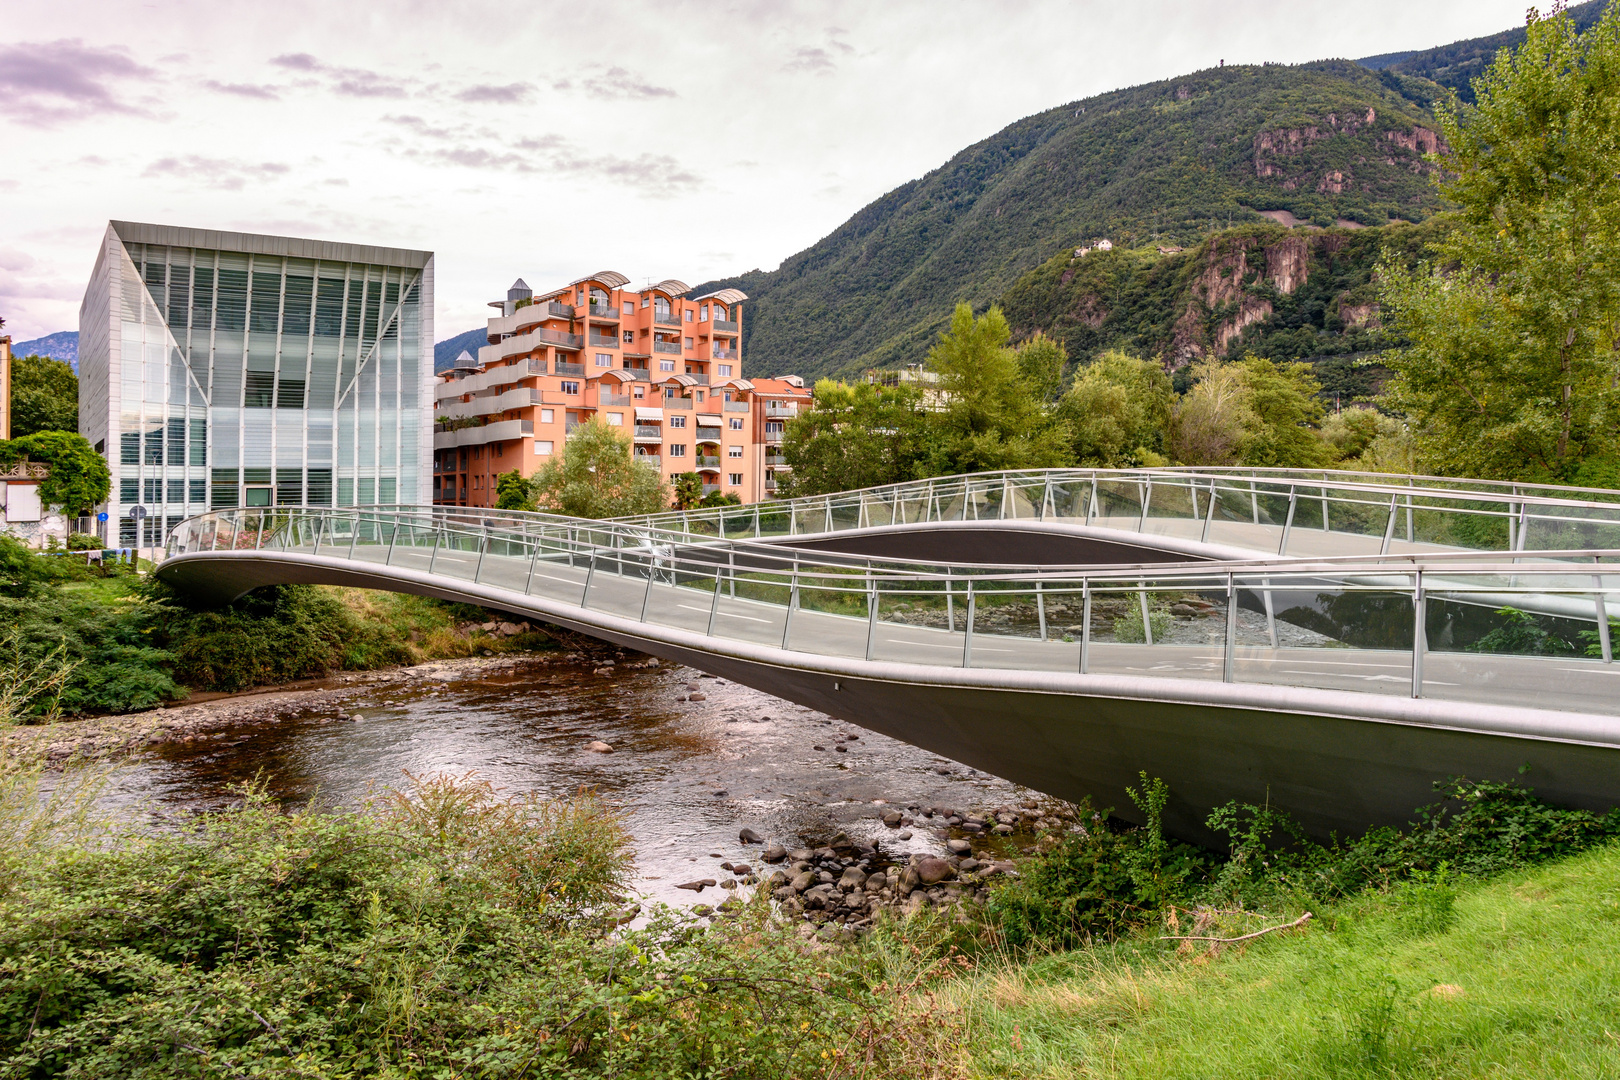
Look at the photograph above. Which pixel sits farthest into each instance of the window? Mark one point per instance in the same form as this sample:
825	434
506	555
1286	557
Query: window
677	421
678	450
687	341
604	359
734	451
629	336
725	371
547	416
660	308
703	313
666	365
688	314
543	447
569	387
736	423
615	419
699	394
735	478
627	309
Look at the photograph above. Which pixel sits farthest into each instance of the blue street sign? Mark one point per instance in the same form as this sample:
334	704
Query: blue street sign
102	516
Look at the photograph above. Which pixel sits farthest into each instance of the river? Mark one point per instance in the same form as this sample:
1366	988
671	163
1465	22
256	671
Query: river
689	774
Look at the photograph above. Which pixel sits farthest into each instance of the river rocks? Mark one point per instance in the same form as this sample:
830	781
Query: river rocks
742	869
599	747
775	853
903	834
931	869
958	847
749	836
697	886
1002	830
852	878
697	697
803	881
893	818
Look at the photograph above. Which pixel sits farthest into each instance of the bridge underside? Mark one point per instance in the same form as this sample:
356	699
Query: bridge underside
1339	761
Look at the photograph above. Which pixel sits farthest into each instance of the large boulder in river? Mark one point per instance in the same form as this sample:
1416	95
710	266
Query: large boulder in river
931	869
853	878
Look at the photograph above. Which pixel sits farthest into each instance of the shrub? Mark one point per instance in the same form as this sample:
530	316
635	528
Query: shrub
1129	628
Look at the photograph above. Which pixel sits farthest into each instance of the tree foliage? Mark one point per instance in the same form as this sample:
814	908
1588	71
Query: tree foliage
79	477
44	396
1116	411
597	477
1512	370
513	492
857	435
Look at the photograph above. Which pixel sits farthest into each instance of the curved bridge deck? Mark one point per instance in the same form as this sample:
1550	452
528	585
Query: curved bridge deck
1340	688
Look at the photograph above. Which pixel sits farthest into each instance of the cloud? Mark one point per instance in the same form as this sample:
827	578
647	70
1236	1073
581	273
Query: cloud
510	94
416	125
53	82
247	90
222	173
815	61
297	61
617	84
11	259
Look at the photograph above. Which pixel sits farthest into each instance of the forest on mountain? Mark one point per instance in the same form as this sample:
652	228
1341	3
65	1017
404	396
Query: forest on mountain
1161	164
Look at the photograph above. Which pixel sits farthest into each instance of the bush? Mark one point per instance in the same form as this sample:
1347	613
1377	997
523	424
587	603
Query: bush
1129	628
84	542
444	932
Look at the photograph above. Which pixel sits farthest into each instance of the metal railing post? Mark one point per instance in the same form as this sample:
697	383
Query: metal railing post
1288	522
871	614
793	602
652	565
1147	623
438	538
1602	618
1324	509
714	605
731	572
1085	625
1419	634
1091	501
1229	660
1147	496
1040	608
1254	501
534	560
1209	518
967	638
388	560
950	604
590	572
354	537
1409	536
1389	527
319	522
258	537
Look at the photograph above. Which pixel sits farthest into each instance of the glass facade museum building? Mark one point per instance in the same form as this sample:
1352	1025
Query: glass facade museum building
223	369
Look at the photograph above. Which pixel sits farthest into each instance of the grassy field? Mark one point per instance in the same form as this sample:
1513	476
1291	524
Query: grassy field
1515	977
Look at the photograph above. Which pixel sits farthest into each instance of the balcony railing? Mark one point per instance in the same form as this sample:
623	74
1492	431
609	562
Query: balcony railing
597	341
560	339
609	313
559	311
710	489
570	369
708	433
723	354
667	346
708	462
672	318
678	403
775	459
640	373
698	377
649	431
725	324
777	408
736	406
770	483
612	399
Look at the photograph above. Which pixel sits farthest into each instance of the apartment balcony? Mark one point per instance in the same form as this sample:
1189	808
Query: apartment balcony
524	343
606	400
725	325
640	374
709	434
608	313
569	369
678	403
490	404
672	319
500	431
598	341
773	438
736	406
649	433
666	347
723	354
529	315
698	377
770	483
776	461
557	310
710	489
708	463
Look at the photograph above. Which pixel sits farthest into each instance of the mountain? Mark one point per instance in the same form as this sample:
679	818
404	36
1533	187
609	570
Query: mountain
63	345
1455	66
446	351
1161	164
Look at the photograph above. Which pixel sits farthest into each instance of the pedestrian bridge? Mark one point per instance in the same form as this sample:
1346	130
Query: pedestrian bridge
1331	642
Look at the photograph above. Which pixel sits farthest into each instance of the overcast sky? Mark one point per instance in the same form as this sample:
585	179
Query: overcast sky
671	139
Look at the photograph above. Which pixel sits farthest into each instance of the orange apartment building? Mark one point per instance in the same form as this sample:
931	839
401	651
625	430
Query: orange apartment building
666	369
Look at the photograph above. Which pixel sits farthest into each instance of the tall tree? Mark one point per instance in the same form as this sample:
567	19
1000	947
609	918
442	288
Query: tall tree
1286	412
1513	371
858	435
1116	412
596	477
79	477
992	417
44	396
513	492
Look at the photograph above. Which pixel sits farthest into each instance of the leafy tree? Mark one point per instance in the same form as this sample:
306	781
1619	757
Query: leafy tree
688	490
992	417
1512	370
1208	424
858	435
44	396
1285	410
1041	360
513	492
79	477
1117	411
596	477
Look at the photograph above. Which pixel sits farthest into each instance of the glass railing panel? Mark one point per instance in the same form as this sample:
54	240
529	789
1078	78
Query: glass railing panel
984	499
845	513
1155	629
1175	508
878	510
1070	499
1325	633
617	582
775	520
753	607
831	616
1241	517
918	623
1008	628
1119	504
1025	498
1566	528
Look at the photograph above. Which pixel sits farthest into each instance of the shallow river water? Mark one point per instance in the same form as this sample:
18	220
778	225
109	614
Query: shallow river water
689	774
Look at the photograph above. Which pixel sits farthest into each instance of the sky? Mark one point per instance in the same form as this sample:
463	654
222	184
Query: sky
549	141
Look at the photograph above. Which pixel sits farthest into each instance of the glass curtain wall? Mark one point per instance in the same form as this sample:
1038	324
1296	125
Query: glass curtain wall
260	380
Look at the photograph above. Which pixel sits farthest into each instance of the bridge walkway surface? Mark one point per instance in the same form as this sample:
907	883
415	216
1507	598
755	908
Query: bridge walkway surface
1339	688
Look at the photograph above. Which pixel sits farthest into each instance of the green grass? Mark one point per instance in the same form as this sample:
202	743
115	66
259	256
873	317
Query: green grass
1517	976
